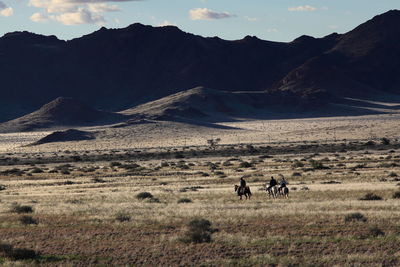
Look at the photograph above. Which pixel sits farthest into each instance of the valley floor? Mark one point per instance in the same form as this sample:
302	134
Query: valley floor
90	207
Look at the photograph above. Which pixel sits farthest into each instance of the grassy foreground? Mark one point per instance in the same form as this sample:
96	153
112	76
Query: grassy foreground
97	213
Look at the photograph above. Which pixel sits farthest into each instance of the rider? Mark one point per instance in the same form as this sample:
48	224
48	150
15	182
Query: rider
282	183
242	184
272	183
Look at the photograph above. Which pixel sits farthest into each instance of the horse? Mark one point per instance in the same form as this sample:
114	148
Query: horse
283	191
272	191
244	191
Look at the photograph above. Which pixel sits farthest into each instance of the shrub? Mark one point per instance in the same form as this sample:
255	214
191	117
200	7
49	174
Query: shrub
385	141
7	251
199	231
245	164
185	200
370	196
153	200
297	164
144	195
375	231
296	174
393	174
396	194
115	164
21	209
369	143
36	170
98	180
26	220
355	217
122	217
164	164
317	165
2	187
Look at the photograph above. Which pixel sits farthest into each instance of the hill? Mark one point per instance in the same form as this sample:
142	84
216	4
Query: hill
61	112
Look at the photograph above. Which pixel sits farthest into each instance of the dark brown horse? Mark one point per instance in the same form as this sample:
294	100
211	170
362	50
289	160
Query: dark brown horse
243	191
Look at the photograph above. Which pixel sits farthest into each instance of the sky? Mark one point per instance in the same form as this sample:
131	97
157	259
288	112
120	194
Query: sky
276	20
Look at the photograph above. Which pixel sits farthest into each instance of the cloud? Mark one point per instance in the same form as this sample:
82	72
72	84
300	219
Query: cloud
102	7
81	16
5	11
166	23
251	18
39	17
74	12
302	8
208	14
272	30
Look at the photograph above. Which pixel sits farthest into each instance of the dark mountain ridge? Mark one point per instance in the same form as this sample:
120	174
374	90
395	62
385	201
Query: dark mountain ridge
115	69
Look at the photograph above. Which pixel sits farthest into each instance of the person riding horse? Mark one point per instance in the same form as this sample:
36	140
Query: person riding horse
272	183
282	183
242	185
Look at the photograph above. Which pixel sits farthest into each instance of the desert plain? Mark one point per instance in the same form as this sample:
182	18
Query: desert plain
135	195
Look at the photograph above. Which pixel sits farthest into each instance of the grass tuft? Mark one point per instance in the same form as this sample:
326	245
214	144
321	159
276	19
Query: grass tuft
352	217
370	196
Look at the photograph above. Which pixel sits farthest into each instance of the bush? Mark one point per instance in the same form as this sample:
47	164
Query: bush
317	165
2	187
245	164
297	164
185	200
122	217
199	231
21	209
144	195
375	231
115	164
36	170
396	194
385	141
26	220
370	196
355	217
7	251
164	164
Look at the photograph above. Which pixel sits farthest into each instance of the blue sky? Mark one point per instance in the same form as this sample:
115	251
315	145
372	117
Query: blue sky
278	20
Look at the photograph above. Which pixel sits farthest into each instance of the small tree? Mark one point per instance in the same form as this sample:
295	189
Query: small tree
213	142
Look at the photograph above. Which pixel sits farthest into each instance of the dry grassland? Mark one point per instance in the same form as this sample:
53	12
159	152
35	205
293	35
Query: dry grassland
86	210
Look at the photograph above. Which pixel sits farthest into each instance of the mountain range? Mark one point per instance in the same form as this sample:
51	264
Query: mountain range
123	69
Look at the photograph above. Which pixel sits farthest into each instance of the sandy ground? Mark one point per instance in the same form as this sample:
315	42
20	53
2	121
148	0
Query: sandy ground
163	134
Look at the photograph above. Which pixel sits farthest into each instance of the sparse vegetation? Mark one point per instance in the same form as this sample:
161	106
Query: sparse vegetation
396	194
199	231
22	209
370	196
8	251
122	217
355	217
26	220
185	200
156	229
144	195
375	231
